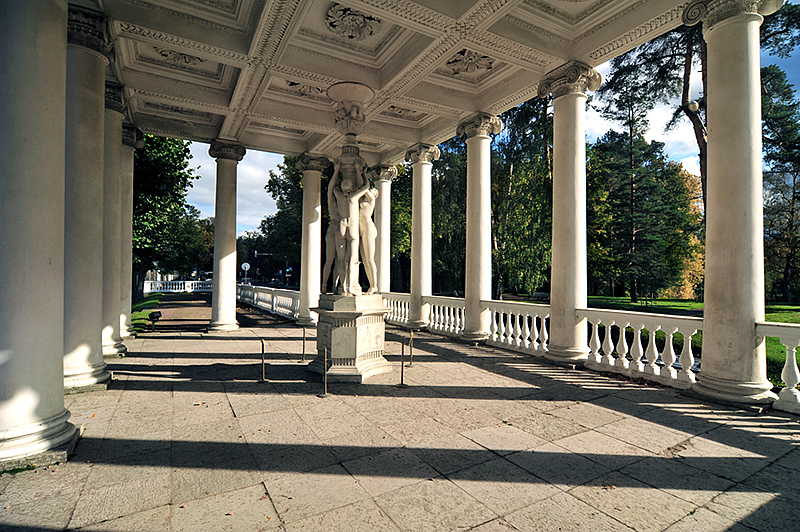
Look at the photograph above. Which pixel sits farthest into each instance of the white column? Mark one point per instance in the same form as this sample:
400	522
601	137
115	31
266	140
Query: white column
33	61
421	157
311	259
223	297
83	216
568	283
383	221
112	220
131	140
478	267
734	358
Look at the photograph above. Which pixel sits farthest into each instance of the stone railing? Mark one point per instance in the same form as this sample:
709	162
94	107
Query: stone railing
397	303
627	353
275	300
446	315
177	286
787	334
519	326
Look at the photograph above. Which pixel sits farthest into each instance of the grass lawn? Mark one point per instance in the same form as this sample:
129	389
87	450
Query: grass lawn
141	311
776	352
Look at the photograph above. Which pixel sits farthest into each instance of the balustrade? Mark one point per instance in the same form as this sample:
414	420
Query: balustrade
398	307
177	286
446	315
787	334
274	300
519	326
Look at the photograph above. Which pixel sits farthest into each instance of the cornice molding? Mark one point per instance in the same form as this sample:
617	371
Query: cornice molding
571	78
151	6
114	98
132	136
223	149
315	163
422	153
141	33
480	124
87	28
639	32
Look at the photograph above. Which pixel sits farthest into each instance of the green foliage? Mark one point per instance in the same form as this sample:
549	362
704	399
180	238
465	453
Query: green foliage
283	230
448	197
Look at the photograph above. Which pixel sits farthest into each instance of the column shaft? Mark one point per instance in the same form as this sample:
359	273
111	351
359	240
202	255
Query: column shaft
126	241
383	221
734	358
32	117
83	218
421	236
112	220
223	298
311	256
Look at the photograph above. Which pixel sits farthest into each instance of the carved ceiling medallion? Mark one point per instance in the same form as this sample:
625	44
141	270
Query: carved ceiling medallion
305	90
351	24
401	112
177	57
469	62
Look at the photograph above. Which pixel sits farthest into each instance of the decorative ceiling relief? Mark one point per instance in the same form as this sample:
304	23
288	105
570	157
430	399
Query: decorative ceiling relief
401	112
302	89
351	24
177	57
467	62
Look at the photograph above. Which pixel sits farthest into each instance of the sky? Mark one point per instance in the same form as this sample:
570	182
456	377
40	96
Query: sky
254	203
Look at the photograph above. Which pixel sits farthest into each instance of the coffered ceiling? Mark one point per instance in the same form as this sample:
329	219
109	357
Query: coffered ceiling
256	71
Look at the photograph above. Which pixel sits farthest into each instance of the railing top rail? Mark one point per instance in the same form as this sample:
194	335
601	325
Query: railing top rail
778	329
515	304
640	317
445	300
396	295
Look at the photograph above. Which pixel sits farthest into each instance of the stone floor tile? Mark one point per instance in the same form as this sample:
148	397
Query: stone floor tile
651	436
155	520
451	452
299	496
605	450
495	525
66	480
706	521
415	431
564	513
360	443
502	486
433	505
282	427
587	415
547	427
722	460
187	483
256	402
110	502
333	418
676	478
504	439
622	406
244	510
759	510
632	502
363	516
556	465
389	470
49	513
114	448
776	479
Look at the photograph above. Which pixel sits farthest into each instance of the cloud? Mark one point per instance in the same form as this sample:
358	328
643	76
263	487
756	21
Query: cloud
253	202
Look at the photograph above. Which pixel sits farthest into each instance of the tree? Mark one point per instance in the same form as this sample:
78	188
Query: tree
449	199
161	180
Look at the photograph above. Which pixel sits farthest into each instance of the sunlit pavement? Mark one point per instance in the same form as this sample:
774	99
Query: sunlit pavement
187	438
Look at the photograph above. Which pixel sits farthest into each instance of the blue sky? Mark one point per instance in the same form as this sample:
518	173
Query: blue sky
254	203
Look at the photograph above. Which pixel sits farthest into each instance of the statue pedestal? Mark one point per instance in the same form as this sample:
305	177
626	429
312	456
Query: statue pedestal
352	329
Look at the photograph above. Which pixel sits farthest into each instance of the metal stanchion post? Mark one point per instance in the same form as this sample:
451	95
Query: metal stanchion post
402	364
411	350
304	344
325	376
263	363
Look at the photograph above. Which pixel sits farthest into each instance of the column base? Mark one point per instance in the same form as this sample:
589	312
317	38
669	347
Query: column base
727	391
74	378
567	356
19	445
222	326
125	333
474	337
416	325
117	349
306	321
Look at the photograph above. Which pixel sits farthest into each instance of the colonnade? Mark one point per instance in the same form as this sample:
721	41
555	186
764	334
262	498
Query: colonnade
65	215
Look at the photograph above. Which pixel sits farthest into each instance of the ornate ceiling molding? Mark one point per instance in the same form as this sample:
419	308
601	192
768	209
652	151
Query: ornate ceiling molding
351	24
87	28
639	32
272	34
187	113
164	10
467	61
411	11
524	24
510	48
133	31
209	108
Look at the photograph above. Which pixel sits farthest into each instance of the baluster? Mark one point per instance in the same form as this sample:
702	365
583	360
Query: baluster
652	353
608	345
493	328
594	342
509	339
535	325
543	334
687	359
518	341
637	351
502	320
526	331
789	396
622	348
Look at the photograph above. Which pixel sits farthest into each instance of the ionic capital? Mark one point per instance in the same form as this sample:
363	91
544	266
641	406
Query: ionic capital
422	153
222	149
382	172
114	99
315	163
132	136
87	28
571	78
480	124
710	12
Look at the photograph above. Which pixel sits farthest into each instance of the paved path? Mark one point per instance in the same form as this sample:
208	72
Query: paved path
187	439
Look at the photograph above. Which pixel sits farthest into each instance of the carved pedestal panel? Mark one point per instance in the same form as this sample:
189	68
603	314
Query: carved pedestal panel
352	329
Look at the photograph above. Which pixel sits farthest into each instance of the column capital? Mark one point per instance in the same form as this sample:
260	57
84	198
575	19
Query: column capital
132	136
382	172
573	77
710	12
316	163
422	153
479	124
114	99
87	28
223	149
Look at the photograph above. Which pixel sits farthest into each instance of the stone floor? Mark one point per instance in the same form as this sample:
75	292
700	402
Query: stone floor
187	438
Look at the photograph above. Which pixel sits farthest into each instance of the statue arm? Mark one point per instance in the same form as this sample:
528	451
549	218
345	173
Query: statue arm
332	210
